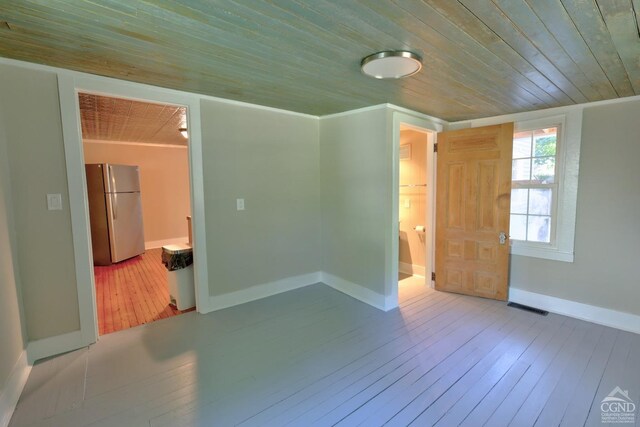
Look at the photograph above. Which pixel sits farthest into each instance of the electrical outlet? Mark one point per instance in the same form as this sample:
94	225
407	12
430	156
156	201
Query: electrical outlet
240	204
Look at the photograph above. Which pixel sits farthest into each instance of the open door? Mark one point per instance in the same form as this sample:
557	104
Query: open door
473	199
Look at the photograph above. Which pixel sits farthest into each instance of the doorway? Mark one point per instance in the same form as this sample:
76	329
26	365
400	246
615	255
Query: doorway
138	191
430	127
414	210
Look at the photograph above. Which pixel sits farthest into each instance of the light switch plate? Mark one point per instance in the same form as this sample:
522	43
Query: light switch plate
54	202
240	204
407	203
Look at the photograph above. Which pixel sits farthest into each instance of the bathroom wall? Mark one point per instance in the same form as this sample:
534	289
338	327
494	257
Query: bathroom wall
164	185
412	206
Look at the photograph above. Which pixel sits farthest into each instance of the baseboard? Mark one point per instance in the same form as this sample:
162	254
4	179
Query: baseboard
591	313
218	302
153	244
51	346
358	292
412	269
13	388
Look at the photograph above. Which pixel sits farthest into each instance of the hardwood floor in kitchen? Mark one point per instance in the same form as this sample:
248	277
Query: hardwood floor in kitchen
132	293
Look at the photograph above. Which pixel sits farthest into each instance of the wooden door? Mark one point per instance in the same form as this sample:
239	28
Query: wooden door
473	198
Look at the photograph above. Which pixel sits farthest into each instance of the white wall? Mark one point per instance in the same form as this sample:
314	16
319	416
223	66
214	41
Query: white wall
164	185
31	114
355	179
607	242
271	160
12	332
318	197
269	157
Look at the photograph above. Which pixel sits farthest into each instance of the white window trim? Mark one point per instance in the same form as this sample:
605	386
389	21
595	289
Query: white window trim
561	247
569	155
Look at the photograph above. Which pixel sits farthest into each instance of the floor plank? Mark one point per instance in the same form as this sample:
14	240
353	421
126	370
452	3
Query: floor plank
314	356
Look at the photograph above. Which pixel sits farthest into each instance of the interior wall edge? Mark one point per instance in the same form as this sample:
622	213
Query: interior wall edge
154	244
78	212
358	292
264	290
436	121
98	78
413	269
591	313
13	388
356	166
528	115
51	346
356	111
12	281
140	144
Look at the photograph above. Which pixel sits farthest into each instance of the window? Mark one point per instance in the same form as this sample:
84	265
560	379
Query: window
543	220
546	155
534	185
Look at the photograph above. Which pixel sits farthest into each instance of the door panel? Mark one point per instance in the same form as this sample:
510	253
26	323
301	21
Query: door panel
472	209
122	178
98	215
125	216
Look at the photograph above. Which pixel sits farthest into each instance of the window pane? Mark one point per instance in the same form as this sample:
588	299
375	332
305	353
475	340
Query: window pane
539	229
521	170
519	200
518	227
522	144
540	201
544	169
545	142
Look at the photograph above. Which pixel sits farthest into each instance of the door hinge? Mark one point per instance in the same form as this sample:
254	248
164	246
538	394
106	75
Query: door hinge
435	147
433	277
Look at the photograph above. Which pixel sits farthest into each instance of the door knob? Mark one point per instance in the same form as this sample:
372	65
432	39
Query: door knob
503	238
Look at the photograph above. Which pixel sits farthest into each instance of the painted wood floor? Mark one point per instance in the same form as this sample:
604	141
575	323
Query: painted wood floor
315	356
132	293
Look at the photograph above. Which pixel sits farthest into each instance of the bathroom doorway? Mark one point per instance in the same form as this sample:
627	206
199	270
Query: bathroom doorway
138	192
415	209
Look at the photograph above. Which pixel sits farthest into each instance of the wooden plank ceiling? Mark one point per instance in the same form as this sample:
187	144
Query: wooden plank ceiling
482	57
115	119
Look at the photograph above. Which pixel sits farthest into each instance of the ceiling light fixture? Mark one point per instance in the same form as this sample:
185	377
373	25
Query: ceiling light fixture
391	64
184	132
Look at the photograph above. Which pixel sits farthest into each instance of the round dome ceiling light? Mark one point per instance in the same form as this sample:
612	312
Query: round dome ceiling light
391	64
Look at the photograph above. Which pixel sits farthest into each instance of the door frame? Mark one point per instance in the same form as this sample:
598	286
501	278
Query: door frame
69	86
431	128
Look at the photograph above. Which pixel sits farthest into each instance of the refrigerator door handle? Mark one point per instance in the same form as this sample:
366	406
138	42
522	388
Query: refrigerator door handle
111	221
114	208
112	177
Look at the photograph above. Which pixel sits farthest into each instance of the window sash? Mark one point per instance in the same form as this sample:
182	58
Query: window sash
552	214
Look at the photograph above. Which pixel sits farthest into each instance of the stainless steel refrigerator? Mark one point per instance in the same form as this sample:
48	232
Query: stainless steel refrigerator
115	211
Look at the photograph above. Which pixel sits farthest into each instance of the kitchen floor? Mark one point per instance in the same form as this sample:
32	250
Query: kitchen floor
132	293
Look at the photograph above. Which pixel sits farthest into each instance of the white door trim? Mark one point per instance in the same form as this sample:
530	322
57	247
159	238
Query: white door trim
392	259
69	85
